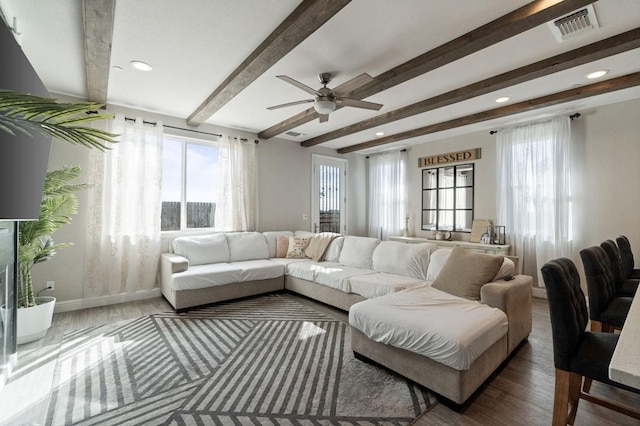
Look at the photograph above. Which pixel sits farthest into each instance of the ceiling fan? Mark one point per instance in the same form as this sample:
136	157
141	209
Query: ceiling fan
325	100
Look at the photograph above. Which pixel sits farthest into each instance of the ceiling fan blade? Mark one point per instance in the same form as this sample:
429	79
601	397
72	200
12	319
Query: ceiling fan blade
299	85
306	101
324	118
353	84
358	103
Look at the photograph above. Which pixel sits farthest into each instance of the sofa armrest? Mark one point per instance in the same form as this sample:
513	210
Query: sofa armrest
169	264
174	263
514	299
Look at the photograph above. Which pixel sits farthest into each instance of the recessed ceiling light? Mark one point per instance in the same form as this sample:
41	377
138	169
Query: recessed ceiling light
379	133
142	66
597	74
502	99
116	68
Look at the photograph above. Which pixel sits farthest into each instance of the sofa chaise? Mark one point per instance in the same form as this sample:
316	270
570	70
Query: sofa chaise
405	301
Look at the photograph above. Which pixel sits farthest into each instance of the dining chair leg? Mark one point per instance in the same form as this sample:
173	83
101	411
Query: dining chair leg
596	326
566	397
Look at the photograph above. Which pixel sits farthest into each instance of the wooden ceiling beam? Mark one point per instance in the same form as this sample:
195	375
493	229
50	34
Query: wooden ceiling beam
529	16
612	46
97	19
600	88
300	24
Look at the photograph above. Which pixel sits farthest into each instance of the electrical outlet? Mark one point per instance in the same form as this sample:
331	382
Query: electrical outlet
51	285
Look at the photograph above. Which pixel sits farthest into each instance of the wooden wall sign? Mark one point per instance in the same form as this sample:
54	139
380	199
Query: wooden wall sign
451	157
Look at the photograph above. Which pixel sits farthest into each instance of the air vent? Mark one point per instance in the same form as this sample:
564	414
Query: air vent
294	134
574	24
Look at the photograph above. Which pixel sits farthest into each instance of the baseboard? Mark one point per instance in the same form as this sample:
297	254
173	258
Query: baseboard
539	292
94	302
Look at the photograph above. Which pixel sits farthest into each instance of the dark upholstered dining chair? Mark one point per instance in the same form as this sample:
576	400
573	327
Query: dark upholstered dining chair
577	353
626	258
625	287
606	310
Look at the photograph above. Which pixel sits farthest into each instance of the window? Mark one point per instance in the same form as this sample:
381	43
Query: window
447	198
189	183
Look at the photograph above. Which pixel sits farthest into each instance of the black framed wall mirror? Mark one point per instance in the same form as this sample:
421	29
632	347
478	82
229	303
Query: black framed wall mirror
447	198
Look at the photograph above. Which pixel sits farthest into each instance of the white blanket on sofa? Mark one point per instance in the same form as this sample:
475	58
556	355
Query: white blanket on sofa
430	322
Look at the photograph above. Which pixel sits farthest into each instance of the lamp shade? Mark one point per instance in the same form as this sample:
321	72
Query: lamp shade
324	106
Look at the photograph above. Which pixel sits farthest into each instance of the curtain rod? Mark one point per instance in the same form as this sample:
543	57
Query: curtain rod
572	117
153	123
402	150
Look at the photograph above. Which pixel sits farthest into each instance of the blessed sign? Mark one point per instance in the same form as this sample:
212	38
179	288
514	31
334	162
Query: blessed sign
451	157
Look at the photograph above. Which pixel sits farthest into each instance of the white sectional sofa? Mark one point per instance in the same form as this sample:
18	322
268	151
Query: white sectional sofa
405	306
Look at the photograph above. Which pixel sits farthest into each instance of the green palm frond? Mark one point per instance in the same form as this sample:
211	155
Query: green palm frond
26	113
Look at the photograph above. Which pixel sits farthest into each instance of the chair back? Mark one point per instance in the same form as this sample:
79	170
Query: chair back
626	255
567	309
611	249
600	282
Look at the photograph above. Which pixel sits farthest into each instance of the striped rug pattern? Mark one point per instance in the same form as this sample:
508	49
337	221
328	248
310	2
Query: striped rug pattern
265	360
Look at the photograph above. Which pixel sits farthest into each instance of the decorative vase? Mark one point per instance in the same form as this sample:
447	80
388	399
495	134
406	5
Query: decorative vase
406	227
33	322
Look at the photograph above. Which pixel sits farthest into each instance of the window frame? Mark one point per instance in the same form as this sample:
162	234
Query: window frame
186	140
440	187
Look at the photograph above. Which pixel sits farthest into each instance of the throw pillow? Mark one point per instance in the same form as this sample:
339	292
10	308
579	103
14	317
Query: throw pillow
282	245
466	271
297	245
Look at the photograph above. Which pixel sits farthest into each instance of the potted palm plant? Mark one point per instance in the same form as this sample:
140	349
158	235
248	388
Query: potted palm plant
35	245
28	114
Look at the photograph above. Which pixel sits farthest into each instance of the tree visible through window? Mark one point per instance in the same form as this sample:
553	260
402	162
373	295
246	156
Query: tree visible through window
189	184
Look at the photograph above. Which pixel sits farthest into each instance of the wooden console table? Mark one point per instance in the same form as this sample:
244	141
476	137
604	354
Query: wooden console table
499	249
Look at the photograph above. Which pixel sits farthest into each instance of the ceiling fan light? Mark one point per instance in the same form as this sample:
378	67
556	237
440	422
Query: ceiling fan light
324	106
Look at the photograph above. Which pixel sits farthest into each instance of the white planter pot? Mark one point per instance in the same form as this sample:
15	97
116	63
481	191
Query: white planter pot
33	322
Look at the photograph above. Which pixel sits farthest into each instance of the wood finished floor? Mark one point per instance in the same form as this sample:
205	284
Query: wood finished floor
519	393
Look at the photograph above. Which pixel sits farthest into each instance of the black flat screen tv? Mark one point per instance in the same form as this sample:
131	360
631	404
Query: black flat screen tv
23	158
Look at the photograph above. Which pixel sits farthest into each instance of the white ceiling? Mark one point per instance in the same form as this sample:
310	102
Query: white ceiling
194	45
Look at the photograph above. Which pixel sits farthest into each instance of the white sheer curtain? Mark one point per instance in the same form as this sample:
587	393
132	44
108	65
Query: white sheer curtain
534	191
236	207
123	229
387	194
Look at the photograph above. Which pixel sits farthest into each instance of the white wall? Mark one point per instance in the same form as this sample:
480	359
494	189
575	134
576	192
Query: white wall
284	181
484	177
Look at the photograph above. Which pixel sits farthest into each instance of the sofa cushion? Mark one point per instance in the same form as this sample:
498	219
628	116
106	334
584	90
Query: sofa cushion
272	238
380	284
307	270
337	277
247	246
297	246
466	271
333	251
258	269
358	251
409	260
202	249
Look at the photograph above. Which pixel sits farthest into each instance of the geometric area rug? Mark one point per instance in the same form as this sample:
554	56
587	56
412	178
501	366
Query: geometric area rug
266	360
